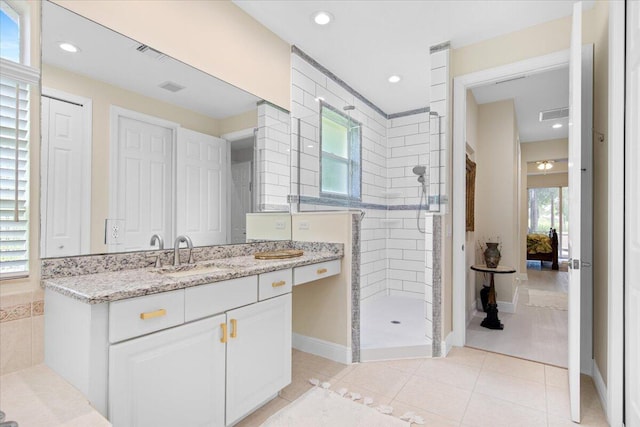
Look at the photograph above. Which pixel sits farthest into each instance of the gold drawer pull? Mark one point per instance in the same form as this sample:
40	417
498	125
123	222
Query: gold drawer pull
224	333
152	314
234	328
278	284
321	270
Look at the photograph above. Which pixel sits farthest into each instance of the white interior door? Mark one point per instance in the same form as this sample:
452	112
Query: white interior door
632	226
240	200
144	189
62	182
575	154
201	185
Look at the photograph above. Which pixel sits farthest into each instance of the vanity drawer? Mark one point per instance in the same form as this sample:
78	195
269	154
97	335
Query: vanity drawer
309	273
274	283
139	316
207	300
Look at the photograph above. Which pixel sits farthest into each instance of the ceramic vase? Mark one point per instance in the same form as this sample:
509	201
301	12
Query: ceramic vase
492	255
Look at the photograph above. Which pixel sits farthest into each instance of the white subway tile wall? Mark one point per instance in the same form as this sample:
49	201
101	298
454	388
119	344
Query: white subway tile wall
392	249
273	168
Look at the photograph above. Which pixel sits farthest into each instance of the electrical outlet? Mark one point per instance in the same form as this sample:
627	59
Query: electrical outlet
113	231
303	225
280	225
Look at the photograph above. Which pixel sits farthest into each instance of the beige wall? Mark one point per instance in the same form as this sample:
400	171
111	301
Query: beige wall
497	172
536	41
216	37
549	180
322	309
266	226
240	122
552	149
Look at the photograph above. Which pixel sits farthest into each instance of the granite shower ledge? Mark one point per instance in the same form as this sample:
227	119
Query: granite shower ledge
113	286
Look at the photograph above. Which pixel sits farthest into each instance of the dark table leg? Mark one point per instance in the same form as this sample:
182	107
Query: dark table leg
492	321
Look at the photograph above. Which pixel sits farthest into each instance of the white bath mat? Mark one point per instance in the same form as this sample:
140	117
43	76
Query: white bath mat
321	407
548	299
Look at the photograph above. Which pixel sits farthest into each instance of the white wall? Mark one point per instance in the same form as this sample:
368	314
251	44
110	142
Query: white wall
392	249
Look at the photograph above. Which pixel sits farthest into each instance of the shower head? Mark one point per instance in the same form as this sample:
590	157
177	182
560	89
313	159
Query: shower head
419	170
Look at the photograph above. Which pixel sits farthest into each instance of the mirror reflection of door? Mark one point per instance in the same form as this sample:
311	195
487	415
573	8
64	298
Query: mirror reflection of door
66	180
241	187
143	196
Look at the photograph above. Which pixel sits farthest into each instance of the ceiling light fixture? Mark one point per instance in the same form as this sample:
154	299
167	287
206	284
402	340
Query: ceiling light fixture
68	47
557	126
322	18
545	165
394	79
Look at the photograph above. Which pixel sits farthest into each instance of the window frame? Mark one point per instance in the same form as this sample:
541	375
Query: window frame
350	161
23	74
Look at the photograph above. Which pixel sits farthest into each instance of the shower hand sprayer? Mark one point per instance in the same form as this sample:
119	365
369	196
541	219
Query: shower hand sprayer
421	171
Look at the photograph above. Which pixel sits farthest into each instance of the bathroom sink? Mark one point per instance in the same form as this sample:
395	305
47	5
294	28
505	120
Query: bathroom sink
192	270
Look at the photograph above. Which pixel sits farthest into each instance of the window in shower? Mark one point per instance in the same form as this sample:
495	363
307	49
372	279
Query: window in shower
340	141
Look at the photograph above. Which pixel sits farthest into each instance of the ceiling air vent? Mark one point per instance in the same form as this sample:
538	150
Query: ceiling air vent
555	114
150	52
171	86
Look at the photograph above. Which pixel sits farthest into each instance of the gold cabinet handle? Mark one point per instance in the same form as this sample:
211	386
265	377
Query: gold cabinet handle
321	270
152	314
224	333
234	328
277	284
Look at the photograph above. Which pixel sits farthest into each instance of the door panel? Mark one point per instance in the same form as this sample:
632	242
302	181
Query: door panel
632	226
170	378
259	357
144	182
240	200
575	154
62	136
201	187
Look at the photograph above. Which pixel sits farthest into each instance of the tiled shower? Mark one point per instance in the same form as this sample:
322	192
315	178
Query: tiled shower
396	312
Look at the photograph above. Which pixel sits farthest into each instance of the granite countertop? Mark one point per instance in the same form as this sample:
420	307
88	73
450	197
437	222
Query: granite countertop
112	286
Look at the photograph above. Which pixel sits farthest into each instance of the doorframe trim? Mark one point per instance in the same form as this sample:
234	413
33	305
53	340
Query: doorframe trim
87	150
460	85
614	409
115	112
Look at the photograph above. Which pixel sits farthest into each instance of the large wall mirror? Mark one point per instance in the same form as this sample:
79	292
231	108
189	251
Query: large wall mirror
135	143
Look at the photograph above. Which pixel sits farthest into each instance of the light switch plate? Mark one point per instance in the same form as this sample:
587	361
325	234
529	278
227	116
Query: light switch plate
303	225
280	225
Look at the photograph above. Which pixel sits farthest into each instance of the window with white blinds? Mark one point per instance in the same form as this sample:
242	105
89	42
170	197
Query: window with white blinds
14	177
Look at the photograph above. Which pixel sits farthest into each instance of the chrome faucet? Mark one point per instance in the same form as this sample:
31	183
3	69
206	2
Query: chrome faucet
176	249
156	238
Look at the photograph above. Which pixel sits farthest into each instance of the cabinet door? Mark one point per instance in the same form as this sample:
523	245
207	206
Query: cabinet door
172	378
259	356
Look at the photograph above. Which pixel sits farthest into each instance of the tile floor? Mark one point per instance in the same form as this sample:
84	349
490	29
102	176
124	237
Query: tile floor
467	388
534	333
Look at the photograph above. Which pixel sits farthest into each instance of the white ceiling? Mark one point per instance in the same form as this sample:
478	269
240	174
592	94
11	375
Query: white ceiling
370	40
111	57
532	94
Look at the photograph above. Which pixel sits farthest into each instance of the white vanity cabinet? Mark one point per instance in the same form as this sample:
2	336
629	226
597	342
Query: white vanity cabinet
174	377
258	354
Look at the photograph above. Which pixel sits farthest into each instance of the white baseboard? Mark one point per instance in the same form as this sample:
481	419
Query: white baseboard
521	277
447	344
601	388
329	350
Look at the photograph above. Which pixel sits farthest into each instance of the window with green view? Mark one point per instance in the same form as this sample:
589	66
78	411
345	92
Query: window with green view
340	140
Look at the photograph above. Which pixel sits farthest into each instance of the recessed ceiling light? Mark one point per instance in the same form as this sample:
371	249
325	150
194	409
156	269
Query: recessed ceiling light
68	47
322	18
394	79
557	126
